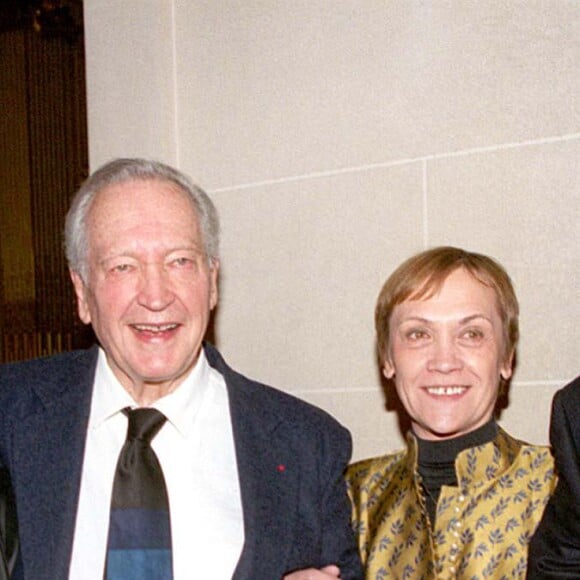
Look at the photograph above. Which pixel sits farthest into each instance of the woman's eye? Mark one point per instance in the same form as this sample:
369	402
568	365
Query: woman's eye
416	335
473	334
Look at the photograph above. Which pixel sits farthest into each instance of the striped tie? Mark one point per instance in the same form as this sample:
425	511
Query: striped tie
139	545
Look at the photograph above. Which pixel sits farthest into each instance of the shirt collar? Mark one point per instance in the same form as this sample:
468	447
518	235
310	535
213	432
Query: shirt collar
180	407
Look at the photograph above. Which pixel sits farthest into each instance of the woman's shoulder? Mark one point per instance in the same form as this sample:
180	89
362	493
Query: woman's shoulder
521	447
527	458
373	470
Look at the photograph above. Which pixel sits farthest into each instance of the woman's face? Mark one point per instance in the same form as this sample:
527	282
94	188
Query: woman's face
447	355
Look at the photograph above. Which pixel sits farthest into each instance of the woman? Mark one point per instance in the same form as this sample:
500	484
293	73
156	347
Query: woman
463	499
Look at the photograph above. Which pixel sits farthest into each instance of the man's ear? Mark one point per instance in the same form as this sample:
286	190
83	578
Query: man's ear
81	292
214	268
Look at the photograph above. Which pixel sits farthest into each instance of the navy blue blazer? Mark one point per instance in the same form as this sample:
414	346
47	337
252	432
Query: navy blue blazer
294	518
554	551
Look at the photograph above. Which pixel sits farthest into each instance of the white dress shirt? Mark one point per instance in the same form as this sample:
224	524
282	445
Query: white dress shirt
196	450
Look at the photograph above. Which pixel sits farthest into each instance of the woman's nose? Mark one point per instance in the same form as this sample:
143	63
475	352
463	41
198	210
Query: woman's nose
445	356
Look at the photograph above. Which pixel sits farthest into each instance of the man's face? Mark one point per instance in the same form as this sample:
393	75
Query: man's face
149	290
446	356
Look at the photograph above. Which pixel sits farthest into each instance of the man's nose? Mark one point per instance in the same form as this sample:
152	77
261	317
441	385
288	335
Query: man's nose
155	292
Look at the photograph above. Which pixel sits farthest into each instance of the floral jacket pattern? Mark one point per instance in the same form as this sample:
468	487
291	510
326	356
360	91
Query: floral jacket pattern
483	526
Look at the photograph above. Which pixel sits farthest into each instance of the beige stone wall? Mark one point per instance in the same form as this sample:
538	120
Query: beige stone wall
339	137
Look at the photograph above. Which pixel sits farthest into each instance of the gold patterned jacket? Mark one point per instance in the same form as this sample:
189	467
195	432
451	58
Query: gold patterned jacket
483	525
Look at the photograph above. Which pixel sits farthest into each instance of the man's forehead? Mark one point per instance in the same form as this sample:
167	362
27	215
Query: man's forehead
145	211
133	193
140	184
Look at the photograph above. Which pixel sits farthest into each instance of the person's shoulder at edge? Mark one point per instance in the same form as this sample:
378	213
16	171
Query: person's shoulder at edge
570	393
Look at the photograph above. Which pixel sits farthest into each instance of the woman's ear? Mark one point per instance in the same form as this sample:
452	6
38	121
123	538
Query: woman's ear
506	368
388	368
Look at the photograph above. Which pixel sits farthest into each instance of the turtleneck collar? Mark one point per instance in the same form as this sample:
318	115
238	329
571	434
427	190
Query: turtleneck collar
436	461
445	451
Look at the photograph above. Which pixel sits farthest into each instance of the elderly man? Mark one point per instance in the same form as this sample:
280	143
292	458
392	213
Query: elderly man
147	457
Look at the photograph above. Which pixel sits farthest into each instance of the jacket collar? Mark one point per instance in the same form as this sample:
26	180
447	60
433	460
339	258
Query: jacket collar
48	448
477	465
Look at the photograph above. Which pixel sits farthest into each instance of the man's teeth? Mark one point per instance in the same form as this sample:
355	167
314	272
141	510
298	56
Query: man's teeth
154	327
446	390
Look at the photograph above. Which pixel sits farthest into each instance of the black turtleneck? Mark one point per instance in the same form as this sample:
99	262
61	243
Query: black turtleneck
436	461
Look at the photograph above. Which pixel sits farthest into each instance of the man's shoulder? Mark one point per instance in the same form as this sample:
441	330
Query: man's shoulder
45	367
273	401
45	377
281	401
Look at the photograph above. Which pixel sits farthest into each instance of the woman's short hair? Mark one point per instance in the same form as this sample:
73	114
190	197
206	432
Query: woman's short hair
125	170
422	275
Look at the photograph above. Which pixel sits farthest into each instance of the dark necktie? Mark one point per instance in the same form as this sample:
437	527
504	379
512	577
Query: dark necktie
139	545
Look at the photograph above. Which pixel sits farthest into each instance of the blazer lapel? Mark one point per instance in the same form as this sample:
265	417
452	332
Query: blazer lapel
269	482
269	478
47	467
